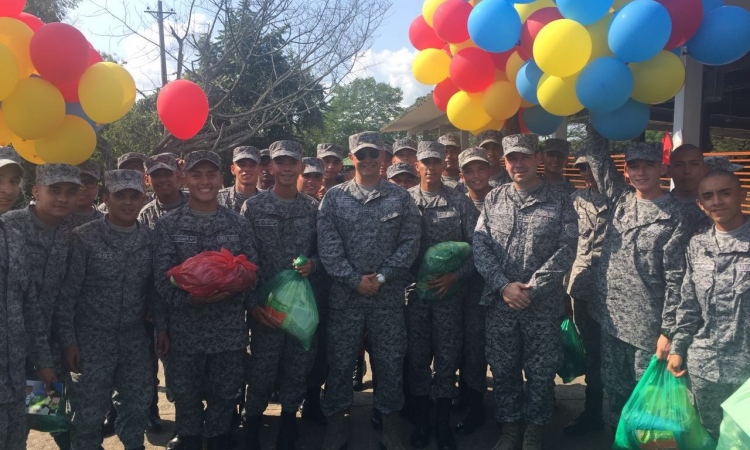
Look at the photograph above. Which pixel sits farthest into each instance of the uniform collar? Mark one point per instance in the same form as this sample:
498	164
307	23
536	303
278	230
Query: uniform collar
361	195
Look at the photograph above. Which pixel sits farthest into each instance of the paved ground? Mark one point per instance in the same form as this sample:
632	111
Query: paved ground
569	405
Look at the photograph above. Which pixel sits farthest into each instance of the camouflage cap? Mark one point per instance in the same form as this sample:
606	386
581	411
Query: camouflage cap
489	136
162	161
388	148
366	139
450	139
193	158
556	145
430	149
49	174
404	144
313	165
580	160
649	151
132	155
472	154
292	149
121	179
9	156
91	168
246	152
265	153
722	163
400	168
326	149
520	143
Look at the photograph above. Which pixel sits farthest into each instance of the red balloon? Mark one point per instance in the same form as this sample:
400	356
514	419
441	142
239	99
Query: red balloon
422	36
443	92
450	21
533	26
501	59
33	22
69	90
183	108
11	8
447	49
60	53
687	16
472	69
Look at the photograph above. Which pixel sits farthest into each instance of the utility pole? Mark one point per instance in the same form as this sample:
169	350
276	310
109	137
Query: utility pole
160	15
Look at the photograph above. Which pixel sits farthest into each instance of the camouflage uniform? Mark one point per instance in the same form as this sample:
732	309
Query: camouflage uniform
713	319
282	230
77	219
229	197
450	139
361	232
122	160
526	237
207	340
640	269
484	137
694	214
101	308
561	146
155	210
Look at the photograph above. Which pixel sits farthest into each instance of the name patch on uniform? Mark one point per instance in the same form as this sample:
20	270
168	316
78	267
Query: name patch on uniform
185	239
743	267
710	266
346	201
228	238
445	214
266	222
104	255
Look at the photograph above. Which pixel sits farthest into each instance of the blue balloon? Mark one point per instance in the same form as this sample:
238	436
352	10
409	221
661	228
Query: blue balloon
527	81
75	109
604	85
724	36
622	124
710	5
495	26
540	122
639	31
584	12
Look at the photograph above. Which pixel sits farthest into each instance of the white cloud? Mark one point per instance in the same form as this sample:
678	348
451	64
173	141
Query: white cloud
394	68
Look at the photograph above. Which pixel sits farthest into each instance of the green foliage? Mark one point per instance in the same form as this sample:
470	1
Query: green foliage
50	10
139	131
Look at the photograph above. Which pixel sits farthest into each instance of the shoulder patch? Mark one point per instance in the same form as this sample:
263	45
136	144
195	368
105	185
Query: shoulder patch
571	230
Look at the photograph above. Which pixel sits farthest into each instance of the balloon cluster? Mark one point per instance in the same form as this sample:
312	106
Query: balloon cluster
56	91
490	59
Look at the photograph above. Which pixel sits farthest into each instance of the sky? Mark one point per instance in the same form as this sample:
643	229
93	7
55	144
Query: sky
388	60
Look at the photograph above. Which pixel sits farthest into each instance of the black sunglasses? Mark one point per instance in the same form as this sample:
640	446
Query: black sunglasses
371	152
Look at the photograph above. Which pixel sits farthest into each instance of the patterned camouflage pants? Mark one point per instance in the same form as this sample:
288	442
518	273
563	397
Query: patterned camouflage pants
708	399
276	358
13	429
622	366
387	333
474	365
121	363
218	377
518	342
591	334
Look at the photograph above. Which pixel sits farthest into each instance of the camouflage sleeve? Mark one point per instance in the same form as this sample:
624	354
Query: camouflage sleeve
34	324
487	263
331	247
249	249
674	271
469	217
63	324
688	317
611	183
408	244
165	257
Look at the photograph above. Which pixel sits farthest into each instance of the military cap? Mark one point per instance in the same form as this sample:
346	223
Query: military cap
162	161
9	156
722	163
193	158
489	136
520	143
450	139
313	165
649	151
246	152
430	149
265	152
472	154
292	149
405	143
388	148
580	160
399	168
121	179
366	139
132	155
556	145
49	174
330	150
92	169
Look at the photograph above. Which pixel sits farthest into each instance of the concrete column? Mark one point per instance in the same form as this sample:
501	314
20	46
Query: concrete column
686	128
562	130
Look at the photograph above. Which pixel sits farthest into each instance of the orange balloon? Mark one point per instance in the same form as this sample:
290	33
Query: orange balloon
27	150
16	35
73	143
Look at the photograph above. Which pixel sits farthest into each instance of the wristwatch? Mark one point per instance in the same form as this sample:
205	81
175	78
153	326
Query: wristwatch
381	278
666	332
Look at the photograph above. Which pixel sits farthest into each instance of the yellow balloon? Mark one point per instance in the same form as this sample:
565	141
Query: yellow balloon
430	66
6	135
16	35
73	143
501	100
465	111
513	66
27	151
455	48
598	32
493	124
558	95
527	9
428	9
106	92
562	48
35	109
9	75
658	79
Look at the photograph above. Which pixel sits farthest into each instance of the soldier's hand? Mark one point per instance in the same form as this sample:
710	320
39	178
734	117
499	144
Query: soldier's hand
72	357
305	269
260	315
662	347
47	376
516	295
216	296
674	365
368	285
162	343
442	283
149	317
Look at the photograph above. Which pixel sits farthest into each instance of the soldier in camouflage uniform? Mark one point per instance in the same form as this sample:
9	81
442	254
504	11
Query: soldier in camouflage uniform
99	318
332	156
524	245
86	211
640	270
11	173
368	238
164	176
554	157
452	173
283	228
593	210
405	151
131	161
311	180
713	318
387	160
491	141
265	179
434	326
403	175
686	168
245	168
208	335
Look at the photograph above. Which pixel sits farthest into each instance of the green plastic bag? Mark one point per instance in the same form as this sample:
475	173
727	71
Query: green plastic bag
735	428
659	415
290	303
46	413
574	354
439	259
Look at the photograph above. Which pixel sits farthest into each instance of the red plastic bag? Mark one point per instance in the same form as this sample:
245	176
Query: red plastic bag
209	272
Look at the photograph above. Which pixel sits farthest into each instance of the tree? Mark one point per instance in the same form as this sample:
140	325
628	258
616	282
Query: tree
50	10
